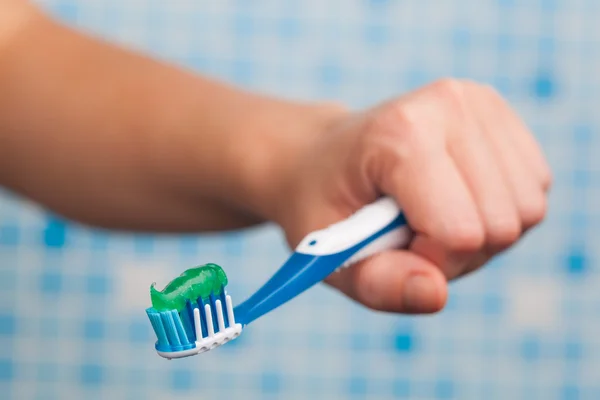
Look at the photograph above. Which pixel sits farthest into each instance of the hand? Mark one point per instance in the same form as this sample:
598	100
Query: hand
468	174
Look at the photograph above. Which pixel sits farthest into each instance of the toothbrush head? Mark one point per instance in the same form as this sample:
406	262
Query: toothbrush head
193	313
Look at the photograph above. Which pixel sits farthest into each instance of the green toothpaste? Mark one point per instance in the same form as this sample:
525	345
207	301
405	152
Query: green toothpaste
195	282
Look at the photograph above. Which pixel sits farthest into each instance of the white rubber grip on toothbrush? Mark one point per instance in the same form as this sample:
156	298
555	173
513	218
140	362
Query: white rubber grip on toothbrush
366	222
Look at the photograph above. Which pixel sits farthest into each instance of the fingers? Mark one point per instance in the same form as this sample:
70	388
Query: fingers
513	129
524	169
425	181
476	159
451	264
394	281
467	173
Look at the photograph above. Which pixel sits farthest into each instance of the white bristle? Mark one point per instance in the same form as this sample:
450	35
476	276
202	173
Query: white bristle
209	321
197	324
230	315
220	319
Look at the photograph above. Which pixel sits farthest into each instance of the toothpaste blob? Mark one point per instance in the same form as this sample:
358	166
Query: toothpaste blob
193	283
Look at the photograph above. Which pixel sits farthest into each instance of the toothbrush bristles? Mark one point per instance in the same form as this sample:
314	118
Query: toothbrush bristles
213	325
220	320
230	315
197	324
209	320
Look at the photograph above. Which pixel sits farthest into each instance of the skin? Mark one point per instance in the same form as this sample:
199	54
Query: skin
108	137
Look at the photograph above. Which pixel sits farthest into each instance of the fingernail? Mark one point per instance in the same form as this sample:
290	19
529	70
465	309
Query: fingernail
420	295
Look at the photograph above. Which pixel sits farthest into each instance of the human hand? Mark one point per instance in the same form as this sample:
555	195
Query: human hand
468	174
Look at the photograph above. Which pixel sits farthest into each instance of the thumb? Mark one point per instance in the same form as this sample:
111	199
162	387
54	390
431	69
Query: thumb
394	281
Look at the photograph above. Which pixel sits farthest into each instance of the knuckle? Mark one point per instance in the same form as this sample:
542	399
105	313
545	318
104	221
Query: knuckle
385	148
503	232
547	180
379	126
405	121
395	129
487	90
450	100
533	210
494	94
449	89
466	238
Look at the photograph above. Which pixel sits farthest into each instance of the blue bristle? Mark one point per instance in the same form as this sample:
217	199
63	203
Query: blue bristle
224	305
183	338
187	318
202	317
213	309
158	328
170	329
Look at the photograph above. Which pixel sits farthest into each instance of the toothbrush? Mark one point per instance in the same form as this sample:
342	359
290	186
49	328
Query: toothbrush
372	229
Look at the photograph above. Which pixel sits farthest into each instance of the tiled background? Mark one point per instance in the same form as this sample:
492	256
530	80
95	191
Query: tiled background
72	300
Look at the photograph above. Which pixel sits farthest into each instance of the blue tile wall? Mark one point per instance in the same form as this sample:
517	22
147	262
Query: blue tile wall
72	299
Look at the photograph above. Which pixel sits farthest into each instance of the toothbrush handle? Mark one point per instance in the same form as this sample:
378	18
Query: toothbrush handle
377	227
369	222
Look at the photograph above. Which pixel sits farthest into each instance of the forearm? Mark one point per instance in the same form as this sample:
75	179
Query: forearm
115	139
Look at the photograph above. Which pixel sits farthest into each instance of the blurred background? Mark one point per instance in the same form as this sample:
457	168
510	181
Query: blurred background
72	300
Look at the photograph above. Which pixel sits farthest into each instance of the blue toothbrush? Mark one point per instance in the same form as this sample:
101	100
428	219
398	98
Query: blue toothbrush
202	326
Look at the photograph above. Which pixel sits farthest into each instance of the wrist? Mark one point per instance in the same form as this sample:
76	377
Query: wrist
216	143
267	157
